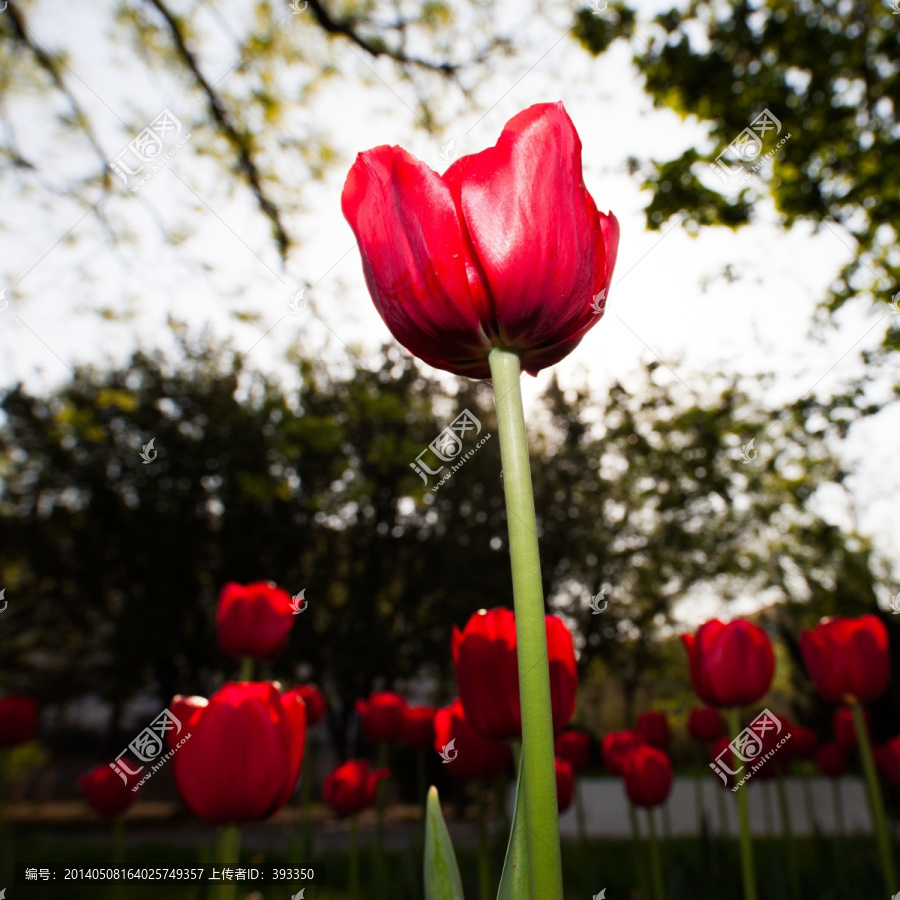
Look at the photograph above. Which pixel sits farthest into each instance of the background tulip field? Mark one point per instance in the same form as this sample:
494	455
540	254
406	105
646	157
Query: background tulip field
272	609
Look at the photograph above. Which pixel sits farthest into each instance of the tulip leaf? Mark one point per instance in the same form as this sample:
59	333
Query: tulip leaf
515	883
442	881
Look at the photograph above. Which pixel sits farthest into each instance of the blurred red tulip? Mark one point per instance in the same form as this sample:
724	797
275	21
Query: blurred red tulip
254	620
731	664
803	741
495	252
848	658
722	756
782	753
316	704
18	720
245	751
706	724
383	716
616	746
565	785
648	776
831	760
575	748
106	793
350	788
888	760
487	672
653	728
843	729
418	726
468	756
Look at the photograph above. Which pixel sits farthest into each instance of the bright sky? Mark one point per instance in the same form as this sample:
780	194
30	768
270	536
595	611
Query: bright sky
668	301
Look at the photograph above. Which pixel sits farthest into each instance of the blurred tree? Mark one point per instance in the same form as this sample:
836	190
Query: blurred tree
112	564
828	71
243	74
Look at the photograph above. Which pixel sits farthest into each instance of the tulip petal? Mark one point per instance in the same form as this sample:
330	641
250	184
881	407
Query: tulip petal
422	278
544	249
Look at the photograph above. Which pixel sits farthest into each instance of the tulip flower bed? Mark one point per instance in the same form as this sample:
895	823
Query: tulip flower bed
500	266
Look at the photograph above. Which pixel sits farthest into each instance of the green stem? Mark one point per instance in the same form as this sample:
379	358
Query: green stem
582	829
422	783
305	796
118	828
698	801
839	831
655	868
667	821
538	769
875	801
227	857
723	811
635	855
383	760
484	854
747	872
788	837
246	671
767	809
354	860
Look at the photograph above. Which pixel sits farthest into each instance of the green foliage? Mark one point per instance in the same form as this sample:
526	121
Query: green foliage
830	72
442	881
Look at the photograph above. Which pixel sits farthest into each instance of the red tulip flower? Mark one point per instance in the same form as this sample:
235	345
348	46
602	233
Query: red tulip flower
888	760
832	761
245	751
705	724
468	756
316	704
731	665
383	716
418	726
487	672
848	659
505	249
615	748
18	720
106	793
254	620
844	730
653	728
565	785
648	776
803	741
350	788
575	748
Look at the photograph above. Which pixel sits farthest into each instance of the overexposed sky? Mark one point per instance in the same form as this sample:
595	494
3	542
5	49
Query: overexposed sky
669	299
